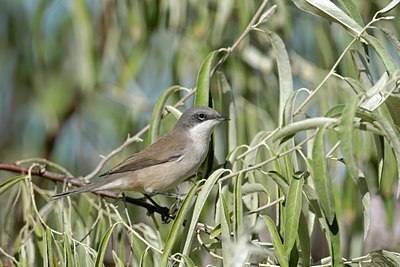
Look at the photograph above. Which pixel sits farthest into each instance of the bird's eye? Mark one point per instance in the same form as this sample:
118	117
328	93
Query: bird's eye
201	116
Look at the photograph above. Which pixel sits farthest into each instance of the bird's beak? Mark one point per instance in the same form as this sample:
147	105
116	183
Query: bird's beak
223	118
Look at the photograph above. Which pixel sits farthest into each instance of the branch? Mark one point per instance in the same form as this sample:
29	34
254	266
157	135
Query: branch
163	211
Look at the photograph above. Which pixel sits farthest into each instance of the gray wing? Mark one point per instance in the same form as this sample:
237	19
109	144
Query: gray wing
157	153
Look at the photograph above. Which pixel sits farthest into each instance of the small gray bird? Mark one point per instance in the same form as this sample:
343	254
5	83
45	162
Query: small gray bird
165	163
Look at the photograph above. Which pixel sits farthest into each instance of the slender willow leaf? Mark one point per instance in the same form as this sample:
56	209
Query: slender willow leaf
158	109
203	81
9	183
238	206
284	71
103	246
346	137
382	52
352	10
198	207
330	11
276	240
67	252
179	220
346	140
389	7
322	182
225	230
304	239
292	211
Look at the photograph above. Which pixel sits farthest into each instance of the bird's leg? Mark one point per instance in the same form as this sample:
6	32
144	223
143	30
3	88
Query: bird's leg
165	215
152	200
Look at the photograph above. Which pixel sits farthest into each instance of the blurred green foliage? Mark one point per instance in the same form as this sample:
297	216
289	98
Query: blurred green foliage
76	77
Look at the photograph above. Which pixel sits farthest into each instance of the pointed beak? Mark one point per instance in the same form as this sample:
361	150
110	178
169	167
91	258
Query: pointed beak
223	118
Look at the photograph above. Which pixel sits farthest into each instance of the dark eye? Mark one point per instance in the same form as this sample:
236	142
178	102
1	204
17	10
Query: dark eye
201	116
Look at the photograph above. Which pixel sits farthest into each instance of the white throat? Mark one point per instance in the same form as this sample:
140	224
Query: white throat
202	131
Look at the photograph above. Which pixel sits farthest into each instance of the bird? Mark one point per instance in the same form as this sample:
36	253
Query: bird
164	164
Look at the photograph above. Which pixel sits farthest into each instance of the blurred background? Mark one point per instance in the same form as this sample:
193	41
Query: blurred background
77	77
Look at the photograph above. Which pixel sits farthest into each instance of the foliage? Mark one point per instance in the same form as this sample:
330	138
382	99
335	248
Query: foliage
305	173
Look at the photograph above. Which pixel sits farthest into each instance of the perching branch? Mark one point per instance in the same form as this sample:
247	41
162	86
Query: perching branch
163	211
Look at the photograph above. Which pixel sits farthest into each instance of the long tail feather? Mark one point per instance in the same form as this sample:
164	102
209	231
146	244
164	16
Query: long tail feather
72	192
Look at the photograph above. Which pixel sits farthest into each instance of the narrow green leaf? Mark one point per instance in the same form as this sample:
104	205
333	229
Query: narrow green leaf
346	137
249	188
158	109
322	182
178	222
346	140
69	261
144	258
188	261
284	71
389	7
276	240
334	236
393	104
103	246
225	230
266	16
238	206
292	211
382	52
363	68
117	260
49	248
331	12
280	181
352	10
203	81
198	207
9	183
221	94
304	238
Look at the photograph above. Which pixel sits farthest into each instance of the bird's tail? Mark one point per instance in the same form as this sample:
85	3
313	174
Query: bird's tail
75	191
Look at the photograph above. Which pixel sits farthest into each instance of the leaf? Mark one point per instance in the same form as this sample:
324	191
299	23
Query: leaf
11	182
221	94
363	68
330	11
304	238
284	71
346	140
389	7
292	211
178	222
276	241
346	137
225	230
158	109
198	207
238	206
249	188
103	246
322	182
382	52
203	81
67	252
385	258
352	10
188	261
265	16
